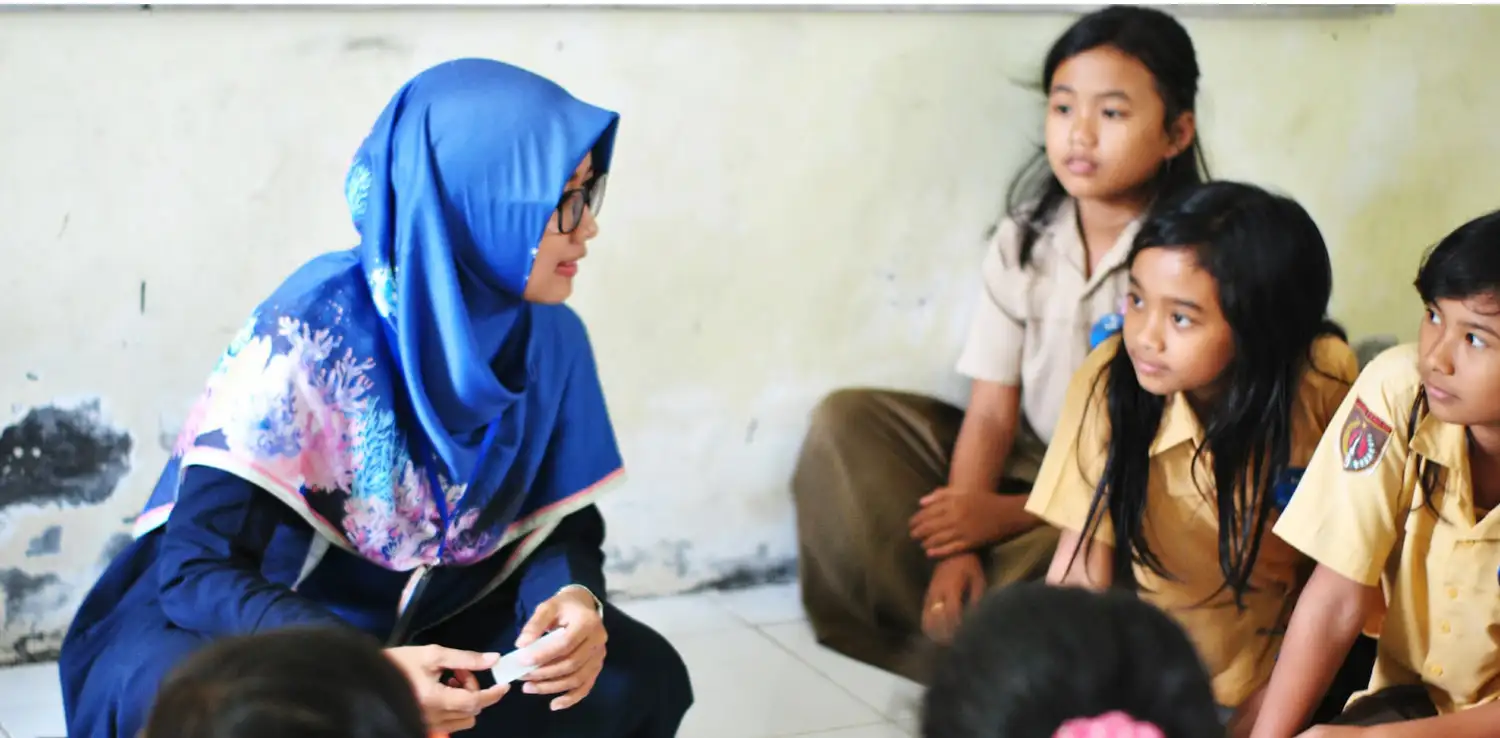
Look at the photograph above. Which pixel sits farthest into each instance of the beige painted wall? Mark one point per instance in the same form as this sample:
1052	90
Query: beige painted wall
797	204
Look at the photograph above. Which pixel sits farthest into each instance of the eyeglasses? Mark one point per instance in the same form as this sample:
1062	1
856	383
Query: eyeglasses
570	207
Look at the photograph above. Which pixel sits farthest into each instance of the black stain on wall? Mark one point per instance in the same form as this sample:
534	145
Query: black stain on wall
377	44
28	599
29	596
62	456
113	547
755	570
46	544
745	576
35	648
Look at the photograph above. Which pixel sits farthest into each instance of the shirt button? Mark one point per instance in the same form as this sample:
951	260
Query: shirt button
1452	593
1435	670
1446	628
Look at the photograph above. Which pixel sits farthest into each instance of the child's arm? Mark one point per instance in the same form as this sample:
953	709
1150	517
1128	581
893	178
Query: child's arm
1067	482
986	436
1477	722
1090	570
1328	618
1347	514
969	513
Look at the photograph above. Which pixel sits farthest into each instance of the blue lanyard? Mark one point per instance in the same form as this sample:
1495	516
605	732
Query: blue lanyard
440	496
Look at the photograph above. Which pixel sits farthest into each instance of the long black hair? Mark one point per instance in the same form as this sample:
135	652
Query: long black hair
293	683
1464	265
1160	43
1274	278
1032	657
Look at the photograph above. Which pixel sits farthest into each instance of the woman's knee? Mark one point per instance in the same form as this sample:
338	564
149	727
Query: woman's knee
642	671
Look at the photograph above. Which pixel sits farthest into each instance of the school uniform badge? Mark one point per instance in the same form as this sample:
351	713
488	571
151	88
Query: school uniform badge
1363	438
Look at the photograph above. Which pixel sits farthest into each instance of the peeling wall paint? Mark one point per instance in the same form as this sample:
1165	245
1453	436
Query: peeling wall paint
63	457
57	463
797	203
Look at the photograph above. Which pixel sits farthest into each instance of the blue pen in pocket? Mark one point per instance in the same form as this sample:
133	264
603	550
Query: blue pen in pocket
1286	484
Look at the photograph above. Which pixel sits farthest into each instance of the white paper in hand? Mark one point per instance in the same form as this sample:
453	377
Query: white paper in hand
512	666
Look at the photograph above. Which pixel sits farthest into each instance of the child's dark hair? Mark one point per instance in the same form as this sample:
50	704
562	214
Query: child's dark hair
1464	265
1032	657
1160	43
1274	280
295	683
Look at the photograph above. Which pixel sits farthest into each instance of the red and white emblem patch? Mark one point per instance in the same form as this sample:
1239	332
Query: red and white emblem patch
1363	439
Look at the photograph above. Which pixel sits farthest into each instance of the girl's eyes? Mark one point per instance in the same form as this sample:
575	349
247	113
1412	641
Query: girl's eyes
1133	300
1065	109
1181	321
1473	339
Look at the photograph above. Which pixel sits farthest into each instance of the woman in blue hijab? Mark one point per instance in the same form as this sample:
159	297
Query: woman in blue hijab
408	439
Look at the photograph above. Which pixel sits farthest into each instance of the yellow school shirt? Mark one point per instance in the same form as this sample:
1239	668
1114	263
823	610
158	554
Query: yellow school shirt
1181	521
1361	512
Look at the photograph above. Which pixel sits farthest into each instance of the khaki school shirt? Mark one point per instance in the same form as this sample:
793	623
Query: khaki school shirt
1181	520
1360	511
1032	325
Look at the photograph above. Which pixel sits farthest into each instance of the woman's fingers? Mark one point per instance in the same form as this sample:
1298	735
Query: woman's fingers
568	664
575	696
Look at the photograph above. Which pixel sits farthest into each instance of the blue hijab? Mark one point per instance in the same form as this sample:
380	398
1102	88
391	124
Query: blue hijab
402	397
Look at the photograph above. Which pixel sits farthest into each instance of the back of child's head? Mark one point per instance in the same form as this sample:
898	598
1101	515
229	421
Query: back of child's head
298	683
1272	279
1163	46
1464	265
1033	658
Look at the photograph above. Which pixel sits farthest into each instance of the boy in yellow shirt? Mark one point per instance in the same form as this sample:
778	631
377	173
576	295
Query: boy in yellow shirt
1396	508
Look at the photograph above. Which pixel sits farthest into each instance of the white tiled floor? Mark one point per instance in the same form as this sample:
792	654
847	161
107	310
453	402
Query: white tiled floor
757	673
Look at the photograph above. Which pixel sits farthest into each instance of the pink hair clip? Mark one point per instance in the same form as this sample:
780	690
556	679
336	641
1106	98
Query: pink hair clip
1110	725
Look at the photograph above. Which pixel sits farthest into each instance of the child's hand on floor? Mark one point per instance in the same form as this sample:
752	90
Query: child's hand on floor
958	581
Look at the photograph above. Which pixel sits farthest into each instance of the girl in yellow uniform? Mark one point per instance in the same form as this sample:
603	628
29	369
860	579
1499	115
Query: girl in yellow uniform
1397	508
1179	439
909	508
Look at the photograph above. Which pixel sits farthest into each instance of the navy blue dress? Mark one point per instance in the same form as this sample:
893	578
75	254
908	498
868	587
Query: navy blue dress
232	560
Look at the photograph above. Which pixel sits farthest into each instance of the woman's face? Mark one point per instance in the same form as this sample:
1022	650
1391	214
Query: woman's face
558	254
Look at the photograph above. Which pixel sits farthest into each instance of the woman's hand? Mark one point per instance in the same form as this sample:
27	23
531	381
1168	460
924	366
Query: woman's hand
571	663
450	707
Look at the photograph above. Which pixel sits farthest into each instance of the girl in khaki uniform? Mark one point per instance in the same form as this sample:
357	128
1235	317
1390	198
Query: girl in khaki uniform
905	503
1177	439
1397	508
